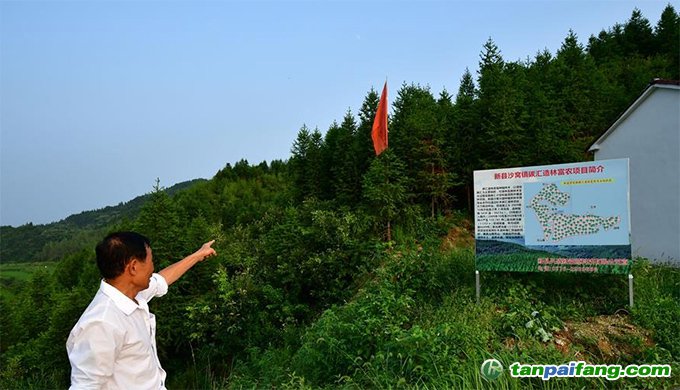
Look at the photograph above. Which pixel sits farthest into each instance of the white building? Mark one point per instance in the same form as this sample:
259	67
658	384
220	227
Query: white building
648	133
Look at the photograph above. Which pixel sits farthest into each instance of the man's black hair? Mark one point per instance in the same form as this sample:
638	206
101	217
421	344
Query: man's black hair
117	249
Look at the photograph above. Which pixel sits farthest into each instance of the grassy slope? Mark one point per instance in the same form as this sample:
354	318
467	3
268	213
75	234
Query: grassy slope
416	324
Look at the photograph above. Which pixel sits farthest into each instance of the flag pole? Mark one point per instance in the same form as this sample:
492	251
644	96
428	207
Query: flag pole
380	139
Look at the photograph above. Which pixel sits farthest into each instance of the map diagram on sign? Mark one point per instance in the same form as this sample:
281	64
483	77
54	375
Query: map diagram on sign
574	213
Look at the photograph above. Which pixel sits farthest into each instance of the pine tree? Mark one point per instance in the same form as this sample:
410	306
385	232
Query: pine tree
415	125
450	146
347	177
466	134
667	39
436	180
580	90
500	108
330	156
362	145
299	162
385	188
306	164
638	39
314	164
551	137
159	221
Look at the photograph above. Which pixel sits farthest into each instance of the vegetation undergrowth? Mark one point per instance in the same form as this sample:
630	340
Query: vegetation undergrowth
417	325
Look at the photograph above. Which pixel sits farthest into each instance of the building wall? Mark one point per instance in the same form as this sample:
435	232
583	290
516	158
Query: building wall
650	138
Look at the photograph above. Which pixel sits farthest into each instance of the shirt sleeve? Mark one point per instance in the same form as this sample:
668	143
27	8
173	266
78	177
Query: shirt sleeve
157	287
92	350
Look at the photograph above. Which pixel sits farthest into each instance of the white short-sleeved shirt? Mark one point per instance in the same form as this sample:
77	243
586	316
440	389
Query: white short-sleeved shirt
113	345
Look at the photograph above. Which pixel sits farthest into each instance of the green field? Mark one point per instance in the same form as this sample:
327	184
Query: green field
14	275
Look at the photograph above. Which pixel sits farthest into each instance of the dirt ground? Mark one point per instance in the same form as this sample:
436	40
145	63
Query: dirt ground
607	337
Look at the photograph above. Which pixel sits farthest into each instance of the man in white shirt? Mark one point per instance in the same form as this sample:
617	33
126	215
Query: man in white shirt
113	345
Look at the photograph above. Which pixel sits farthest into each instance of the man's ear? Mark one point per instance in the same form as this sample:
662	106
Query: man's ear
131	267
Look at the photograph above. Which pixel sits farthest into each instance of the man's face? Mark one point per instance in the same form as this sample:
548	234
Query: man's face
144	270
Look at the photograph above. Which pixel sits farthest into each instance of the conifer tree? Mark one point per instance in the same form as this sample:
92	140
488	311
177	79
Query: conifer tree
306	164
415	125
385	188
667	39
550	137
159	221
435	178
347	177
584	93
330	155
314	164
638	37
362	146
500	108
465	158
299	161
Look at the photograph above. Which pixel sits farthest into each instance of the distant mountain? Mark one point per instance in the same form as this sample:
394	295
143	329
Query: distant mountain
31	242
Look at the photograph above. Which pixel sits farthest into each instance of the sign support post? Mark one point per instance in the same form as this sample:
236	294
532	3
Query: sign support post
630	290
477	287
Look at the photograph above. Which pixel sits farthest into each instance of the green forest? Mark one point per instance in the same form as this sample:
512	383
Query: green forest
311	290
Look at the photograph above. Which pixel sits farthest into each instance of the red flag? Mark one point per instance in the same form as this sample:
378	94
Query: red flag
379	132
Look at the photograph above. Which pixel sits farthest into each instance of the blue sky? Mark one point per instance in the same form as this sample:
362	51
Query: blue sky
100	98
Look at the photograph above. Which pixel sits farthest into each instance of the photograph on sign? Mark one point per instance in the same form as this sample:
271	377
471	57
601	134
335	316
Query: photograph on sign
554	218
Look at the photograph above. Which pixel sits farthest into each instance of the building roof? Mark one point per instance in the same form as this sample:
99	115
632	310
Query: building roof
653	86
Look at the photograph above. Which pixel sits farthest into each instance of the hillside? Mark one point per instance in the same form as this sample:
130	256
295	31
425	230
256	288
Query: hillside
31	243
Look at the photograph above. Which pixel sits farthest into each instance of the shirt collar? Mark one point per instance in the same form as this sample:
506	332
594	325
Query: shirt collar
125	304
